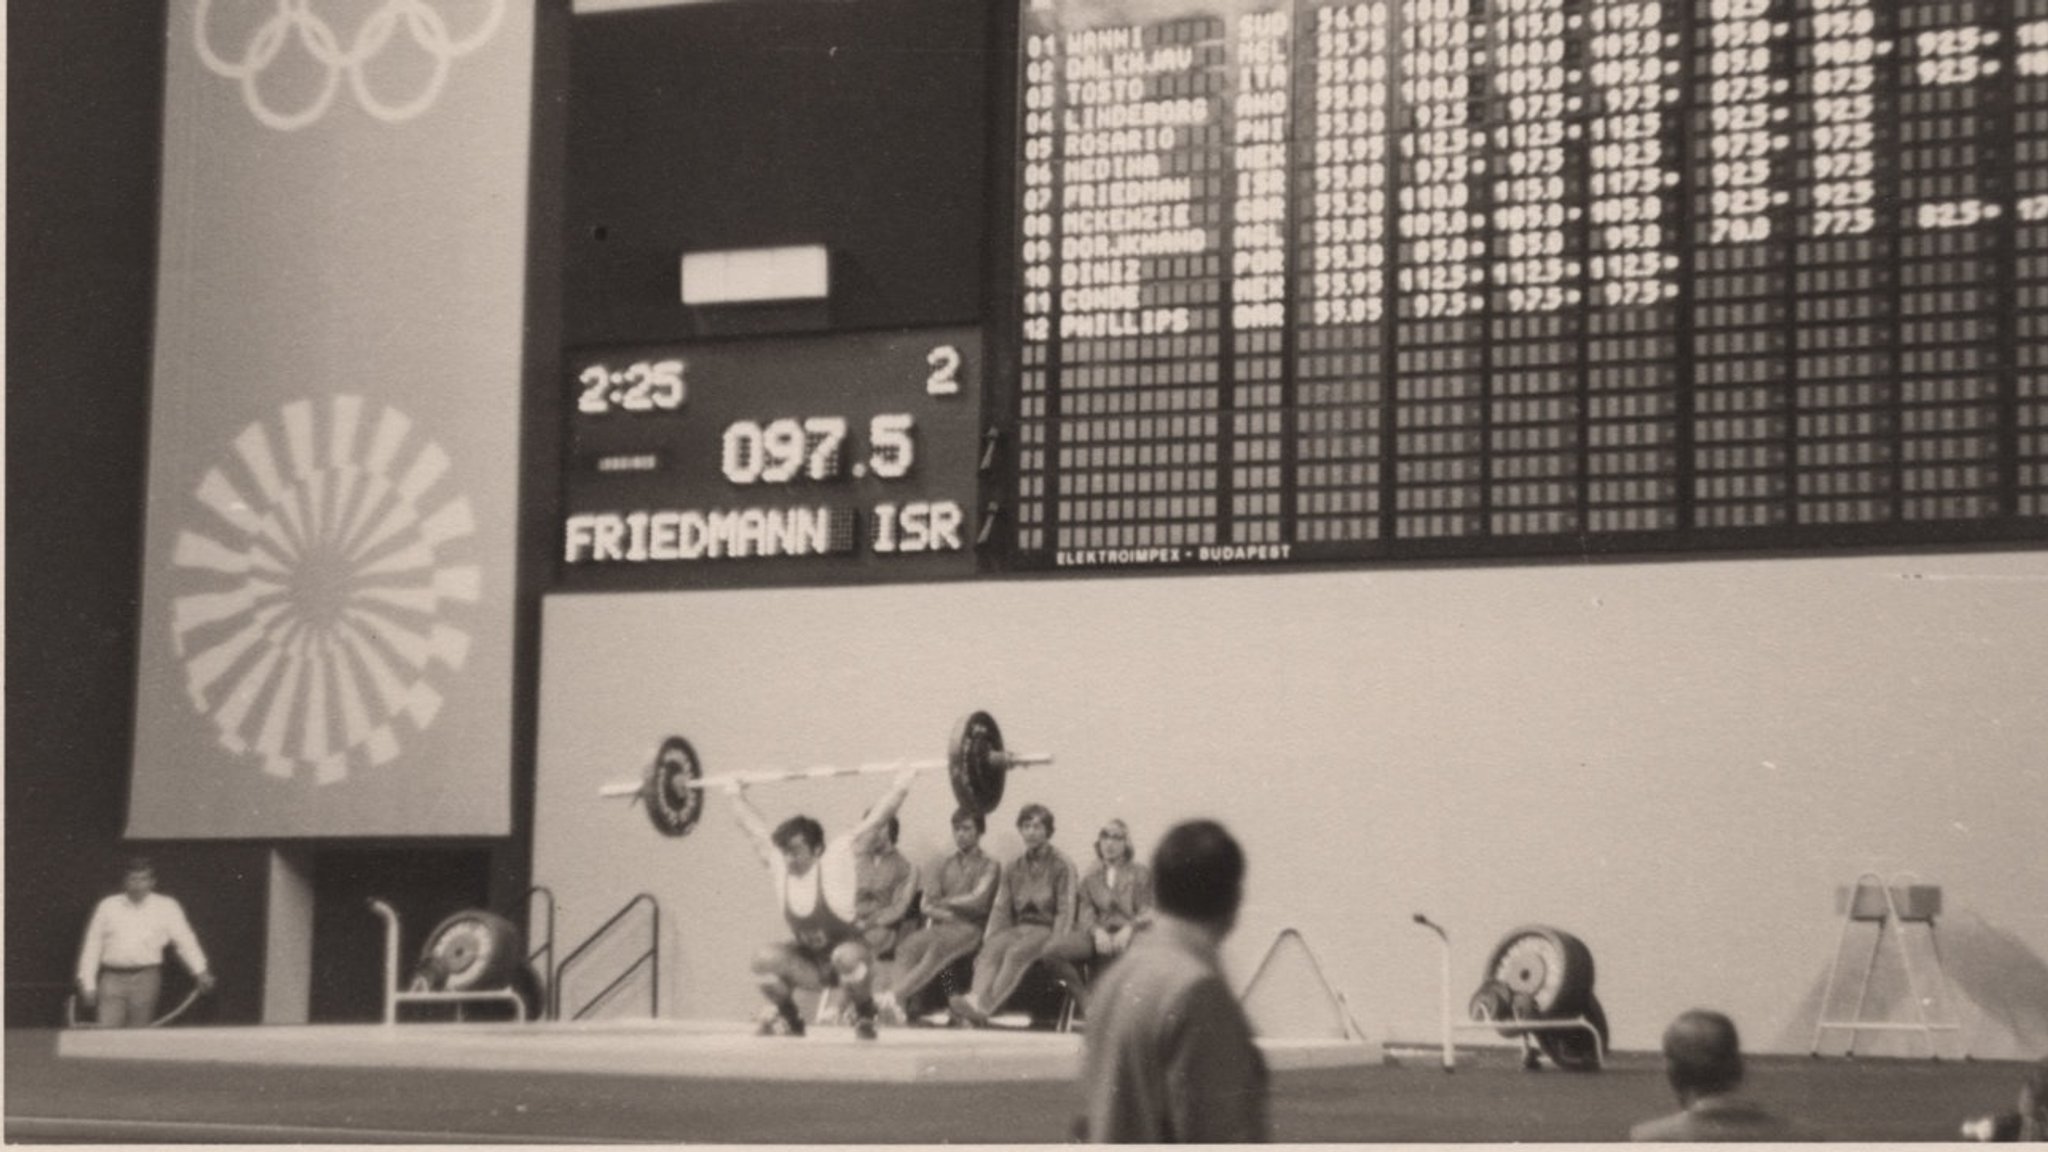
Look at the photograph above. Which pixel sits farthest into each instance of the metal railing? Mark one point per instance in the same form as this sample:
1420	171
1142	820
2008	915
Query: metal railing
650	959
542	958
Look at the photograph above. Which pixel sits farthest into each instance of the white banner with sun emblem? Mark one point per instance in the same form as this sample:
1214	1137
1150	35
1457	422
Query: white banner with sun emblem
327	611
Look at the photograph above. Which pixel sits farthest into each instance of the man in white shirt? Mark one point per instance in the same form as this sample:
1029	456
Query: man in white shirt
120	969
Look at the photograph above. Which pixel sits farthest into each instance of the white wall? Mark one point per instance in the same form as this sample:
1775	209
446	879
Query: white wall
1677	762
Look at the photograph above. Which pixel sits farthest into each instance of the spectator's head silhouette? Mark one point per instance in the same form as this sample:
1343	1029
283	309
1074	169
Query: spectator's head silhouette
1702	1055
1198	874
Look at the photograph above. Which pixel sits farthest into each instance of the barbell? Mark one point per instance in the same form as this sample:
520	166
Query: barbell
976	764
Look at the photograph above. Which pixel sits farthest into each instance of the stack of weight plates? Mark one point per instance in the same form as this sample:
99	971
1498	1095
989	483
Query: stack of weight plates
477	951
1539	973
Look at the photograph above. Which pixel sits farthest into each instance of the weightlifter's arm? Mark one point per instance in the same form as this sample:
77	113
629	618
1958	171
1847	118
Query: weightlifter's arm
751	822
879	813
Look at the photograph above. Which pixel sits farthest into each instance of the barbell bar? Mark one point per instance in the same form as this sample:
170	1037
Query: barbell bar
976	764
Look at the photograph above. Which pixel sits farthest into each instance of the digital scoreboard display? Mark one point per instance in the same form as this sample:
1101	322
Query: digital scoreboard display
797	459
1305	280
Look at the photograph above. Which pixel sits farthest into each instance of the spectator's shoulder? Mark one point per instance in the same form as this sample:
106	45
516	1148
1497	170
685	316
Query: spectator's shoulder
1187	966
1206	986
1724	1120
1196	1003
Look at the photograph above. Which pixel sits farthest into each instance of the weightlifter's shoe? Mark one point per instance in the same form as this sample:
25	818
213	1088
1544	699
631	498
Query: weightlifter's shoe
864	1028
779	1023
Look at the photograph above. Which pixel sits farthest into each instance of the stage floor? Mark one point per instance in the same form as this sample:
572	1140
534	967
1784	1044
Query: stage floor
218	1086
674	1049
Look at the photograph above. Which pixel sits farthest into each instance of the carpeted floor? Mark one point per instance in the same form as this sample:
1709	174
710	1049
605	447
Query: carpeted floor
1486	1100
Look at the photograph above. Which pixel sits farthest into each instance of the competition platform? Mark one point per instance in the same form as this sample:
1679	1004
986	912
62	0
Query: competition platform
671	1049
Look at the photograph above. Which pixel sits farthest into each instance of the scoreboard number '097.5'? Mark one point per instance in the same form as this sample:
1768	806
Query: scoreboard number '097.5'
813	448
815	454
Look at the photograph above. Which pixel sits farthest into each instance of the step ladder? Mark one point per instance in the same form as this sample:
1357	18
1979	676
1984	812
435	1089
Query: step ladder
1903	911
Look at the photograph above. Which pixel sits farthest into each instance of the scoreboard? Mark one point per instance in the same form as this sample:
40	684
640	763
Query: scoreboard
843	457
1307	280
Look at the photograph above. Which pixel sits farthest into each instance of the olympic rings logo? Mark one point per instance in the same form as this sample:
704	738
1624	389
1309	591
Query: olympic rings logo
423	23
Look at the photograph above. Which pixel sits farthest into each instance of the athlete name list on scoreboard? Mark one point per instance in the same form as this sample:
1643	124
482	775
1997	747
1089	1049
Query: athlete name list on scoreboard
1397	278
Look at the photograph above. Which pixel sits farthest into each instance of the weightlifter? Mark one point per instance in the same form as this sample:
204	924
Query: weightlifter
815	886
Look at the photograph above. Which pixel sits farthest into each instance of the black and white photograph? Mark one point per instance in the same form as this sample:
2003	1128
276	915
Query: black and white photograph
1017	572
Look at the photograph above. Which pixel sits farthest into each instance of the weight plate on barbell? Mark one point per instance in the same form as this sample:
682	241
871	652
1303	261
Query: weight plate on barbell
672	803
972	765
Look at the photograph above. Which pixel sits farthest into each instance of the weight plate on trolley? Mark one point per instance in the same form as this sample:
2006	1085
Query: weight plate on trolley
1571	1048
1554	969
672	804
1491	1003
532	992
468	951
1522	1006
973	763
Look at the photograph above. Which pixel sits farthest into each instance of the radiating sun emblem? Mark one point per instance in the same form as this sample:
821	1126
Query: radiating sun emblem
318	585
